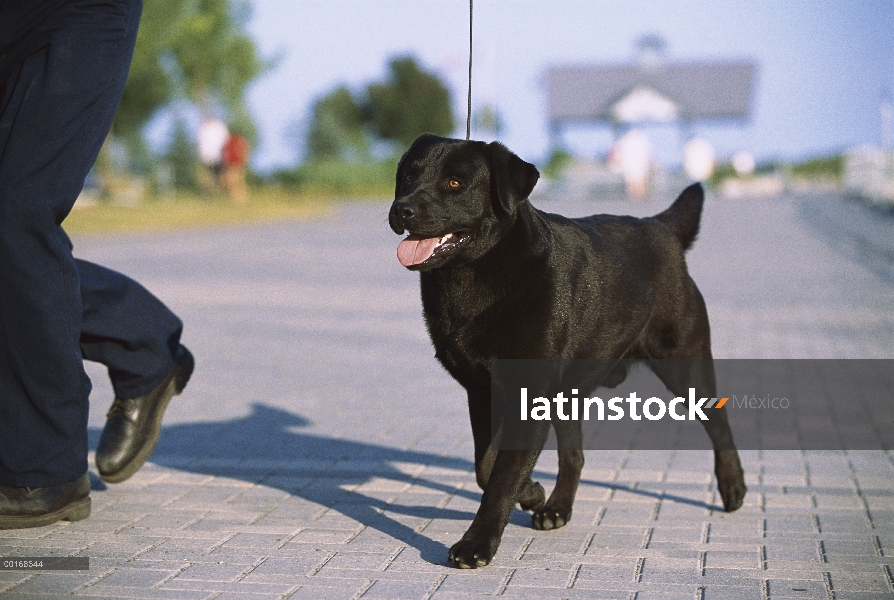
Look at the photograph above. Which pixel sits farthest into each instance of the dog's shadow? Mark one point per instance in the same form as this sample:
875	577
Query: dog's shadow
267	447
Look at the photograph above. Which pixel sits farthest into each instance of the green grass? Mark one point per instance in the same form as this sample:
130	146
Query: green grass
339	178
191	211
830	167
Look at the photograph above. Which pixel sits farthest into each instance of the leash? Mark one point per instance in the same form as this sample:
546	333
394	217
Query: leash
469	105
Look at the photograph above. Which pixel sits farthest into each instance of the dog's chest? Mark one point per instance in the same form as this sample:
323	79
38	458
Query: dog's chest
457	317
471	322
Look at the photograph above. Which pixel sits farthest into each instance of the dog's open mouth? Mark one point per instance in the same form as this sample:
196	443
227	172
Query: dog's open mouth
415	249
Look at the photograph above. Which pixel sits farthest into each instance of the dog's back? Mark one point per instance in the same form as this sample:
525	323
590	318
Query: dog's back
628	277
682	218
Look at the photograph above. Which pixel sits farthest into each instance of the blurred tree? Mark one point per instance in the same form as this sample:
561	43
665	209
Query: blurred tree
183	157
338	129
409	103
558	162
346	126
197	50
488	119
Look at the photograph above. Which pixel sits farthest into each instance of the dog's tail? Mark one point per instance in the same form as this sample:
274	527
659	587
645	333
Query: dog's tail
684	215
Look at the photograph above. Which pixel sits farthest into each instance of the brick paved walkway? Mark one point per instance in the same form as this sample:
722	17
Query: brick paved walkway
320	452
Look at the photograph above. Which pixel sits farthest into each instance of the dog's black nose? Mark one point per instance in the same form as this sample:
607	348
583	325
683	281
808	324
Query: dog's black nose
402	215
405	210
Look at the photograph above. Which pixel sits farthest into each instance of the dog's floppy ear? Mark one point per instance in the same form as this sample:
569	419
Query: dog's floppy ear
512	179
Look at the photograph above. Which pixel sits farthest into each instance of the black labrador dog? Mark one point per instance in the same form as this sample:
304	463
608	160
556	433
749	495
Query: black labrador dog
501	279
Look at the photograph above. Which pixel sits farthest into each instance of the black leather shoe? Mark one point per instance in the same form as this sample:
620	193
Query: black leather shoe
133	425
36	507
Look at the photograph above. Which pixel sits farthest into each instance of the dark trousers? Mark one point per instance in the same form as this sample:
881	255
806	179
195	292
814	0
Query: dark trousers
63	64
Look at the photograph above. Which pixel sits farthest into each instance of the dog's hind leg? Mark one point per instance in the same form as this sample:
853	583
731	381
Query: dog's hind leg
727	466
557	510
679	376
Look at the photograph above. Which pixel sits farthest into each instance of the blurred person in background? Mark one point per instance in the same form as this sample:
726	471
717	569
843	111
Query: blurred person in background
63	65
212	138
235	160
631	156
698	159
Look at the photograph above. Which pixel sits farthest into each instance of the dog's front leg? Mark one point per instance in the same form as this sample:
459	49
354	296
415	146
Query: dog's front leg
509	476
487	444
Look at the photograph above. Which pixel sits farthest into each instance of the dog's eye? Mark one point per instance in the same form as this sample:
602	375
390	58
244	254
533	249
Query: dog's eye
408	178
454	183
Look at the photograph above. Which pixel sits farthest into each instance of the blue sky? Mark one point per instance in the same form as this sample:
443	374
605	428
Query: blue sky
823	66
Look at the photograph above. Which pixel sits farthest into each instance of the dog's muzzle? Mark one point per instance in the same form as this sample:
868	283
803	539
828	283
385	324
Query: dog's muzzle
402	216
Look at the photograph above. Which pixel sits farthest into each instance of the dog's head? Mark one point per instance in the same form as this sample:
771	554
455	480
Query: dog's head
455	198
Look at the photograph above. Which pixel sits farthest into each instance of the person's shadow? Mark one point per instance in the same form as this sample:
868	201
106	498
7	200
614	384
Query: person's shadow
267	447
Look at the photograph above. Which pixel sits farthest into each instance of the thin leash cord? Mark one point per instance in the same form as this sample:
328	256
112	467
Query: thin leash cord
469	106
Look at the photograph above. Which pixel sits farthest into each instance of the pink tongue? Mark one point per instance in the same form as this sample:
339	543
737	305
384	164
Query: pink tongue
415	249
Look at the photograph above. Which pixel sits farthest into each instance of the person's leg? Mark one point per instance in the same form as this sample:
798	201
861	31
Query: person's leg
127	329
137	338
61	84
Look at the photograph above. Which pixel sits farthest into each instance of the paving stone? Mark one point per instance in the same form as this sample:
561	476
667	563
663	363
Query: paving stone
327	593
167	549
134	577
400	589
738	591
58	583
733	560
234	595
623	570
213	572
265	541
121	592
877	581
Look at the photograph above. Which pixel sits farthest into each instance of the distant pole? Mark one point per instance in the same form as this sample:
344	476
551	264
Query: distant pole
887	110
555	134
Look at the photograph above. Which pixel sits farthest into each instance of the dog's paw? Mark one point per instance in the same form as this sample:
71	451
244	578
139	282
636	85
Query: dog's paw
732	492
731	485
532	497
550	517
471	554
